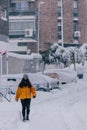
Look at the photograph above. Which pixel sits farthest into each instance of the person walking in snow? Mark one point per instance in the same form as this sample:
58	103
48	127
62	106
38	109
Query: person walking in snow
25	92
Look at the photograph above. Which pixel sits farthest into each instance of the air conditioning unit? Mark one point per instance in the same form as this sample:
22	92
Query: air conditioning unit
28	32
77	34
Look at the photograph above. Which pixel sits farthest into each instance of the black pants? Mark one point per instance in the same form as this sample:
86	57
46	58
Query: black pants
25	107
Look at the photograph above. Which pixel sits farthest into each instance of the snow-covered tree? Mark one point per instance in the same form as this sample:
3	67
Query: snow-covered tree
58	54
83	50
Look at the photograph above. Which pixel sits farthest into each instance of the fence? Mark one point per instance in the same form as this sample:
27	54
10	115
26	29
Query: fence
5	93
19	63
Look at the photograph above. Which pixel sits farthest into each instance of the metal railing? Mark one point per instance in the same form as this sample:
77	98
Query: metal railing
5	93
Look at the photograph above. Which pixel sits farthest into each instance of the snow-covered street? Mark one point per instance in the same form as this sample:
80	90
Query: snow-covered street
56	110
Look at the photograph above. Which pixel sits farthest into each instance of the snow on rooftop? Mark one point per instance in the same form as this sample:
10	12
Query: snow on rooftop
25	56
36	55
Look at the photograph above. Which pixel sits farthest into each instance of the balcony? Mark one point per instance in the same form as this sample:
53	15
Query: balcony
13	12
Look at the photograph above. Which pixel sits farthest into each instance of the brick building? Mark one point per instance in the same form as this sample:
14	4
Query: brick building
48	23
74	21
63	21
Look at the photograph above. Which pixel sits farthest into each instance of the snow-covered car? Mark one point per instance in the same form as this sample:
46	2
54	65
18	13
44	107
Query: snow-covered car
64	75
43	82
80	69
40	81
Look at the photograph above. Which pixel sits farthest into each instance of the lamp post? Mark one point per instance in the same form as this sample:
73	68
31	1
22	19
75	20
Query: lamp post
39	6
62	21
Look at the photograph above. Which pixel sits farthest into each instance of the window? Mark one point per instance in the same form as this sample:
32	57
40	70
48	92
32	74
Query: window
59	3
21	5
59	22
12	5
59	28
75	4
18	26
22	44
4	14
75	26
75	12
59	11
75	8
59	35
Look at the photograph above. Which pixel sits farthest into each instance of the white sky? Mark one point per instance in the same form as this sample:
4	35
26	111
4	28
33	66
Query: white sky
64	109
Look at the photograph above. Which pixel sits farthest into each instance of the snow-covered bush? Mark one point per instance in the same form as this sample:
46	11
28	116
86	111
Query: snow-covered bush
58	54
83	49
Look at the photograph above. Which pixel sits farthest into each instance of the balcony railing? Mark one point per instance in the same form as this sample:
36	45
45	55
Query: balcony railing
13	12
21	33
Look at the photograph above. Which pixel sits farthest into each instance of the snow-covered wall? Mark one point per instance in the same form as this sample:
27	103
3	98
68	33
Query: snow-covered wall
18	63
13	63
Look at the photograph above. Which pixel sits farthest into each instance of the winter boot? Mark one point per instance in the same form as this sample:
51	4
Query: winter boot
24	119
27	118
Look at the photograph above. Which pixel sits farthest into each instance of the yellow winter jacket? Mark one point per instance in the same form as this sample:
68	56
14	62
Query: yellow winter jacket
25	93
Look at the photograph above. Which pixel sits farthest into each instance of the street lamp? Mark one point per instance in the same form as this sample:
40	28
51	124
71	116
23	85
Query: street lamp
39	6
62	21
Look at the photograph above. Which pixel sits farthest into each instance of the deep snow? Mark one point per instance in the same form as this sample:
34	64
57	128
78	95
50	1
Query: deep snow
64	109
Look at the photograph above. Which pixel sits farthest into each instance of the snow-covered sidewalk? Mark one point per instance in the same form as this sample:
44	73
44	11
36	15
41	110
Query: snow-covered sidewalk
64	109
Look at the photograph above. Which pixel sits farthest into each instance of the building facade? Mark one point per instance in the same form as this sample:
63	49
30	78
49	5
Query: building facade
74	21
35	24
48	14
22	26
4	20
4	34
64	22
